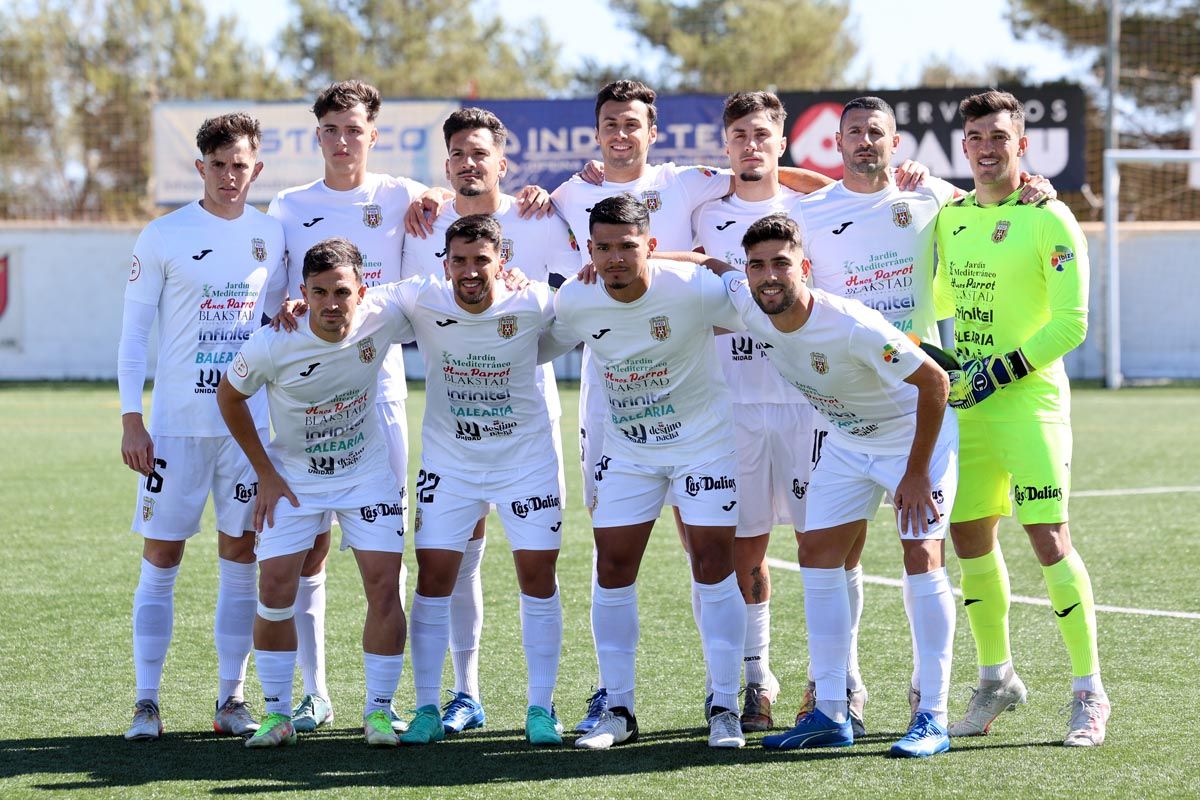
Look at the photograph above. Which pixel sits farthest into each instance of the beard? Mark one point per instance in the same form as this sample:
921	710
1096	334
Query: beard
484	288
750	177
779	303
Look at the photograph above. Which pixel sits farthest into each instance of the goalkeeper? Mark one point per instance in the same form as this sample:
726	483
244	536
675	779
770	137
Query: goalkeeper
1016	279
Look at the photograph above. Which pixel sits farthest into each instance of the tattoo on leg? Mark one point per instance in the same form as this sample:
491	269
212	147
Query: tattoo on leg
758	584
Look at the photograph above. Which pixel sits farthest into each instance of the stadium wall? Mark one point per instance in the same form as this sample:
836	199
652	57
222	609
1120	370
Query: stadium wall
62	290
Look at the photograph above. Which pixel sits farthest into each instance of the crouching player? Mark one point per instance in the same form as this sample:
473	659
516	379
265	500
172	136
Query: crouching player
890	431
486	439
328	455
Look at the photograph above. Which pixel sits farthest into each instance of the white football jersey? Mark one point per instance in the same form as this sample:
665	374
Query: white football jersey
484	409
877	248
208	277
537	247
371	216
322	396
851	364
719	226
667	402
671	193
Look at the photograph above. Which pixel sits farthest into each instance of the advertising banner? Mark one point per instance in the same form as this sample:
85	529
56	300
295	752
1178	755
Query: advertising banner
550	140
931	131
410	144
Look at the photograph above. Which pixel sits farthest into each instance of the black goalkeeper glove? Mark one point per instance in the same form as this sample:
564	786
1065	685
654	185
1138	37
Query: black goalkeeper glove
979	378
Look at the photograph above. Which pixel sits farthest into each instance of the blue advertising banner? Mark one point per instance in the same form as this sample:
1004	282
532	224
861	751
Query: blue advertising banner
549	140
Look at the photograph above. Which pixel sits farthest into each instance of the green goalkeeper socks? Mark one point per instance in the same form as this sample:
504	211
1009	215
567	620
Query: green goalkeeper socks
1070	590
985	595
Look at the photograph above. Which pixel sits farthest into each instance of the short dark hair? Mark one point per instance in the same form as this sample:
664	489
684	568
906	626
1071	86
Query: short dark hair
474	227
868	103
222	131
773	228
345	95
990	102
620	209
740	104
626	91
331	254
469	119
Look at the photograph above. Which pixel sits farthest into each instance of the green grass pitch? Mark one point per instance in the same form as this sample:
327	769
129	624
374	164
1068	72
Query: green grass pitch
70	566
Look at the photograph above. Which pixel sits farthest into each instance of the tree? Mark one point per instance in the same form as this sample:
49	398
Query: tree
81	81
726	46
419	48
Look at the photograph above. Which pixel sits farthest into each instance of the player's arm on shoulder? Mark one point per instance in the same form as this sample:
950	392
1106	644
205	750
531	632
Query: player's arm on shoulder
533	202
802	180
913	496
715	301
911	175
1063	250
418	220
1036	189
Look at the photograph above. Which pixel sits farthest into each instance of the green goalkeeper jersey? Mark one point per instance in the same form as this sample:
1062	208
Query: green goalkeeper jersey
1014	276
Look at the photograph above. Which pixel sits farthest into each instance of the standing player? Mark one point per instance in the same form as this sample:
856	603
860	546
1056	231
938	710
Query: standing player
1016	278
870	238
772	419
486	440
328	456
203	271
368	209
884	401
475	141
668	429
626	127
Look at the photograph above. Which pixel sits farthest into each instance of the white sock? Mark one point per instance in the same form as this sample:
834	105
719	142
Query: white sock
723	636
1089	683
932	623
756	655
854	592
276	668
615	629
696	617
310	633
996	672
233	625
906	593
466	620
428	638
542	635
153	620
382	677
827	613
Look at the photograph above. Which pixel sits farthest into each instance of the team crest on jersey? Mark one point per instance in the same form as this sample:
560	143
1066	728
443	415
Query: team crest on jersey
372	215
660	328
506	250
147	508
259	248
820	363
135	271
1001	231
901	215
653	200
507	326
366	350
891	354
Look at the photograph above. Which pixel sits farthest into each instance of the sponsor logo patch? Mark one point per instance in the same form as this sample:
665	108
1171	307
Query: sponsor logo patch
891	354
1062	256
1023	494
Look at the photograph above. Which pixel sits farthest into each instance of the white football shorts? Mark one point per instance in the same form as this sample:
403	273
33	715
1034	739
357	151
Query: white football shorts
371	516
774	455
629	494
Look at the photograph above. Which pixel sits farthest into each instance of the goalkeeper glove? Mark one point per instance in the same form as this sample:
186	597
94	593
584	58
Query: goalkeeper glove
980	377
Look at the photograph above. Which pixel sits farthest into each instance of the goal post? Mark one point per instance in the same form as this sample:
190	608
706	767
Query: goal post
1113	159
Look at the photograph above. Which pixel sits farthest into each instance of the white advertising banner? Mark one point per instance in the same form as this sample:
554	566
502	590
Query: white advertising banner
410	144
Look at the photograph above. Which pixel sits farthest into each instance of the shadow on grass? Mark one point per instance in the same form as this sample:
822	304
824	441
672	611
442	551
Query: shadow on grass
339	759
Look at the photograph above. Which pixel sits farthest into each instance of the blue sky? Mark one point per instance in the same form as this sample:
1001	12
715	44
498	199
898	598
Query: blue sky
896	39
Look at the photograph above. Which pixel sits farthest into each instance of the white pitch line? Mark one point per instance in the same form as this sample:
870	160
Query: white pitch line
1146	490
879	580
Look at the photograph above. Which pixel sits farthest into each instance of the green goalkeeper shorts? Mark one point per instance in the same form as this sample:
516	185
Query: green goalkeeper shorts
1033	459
